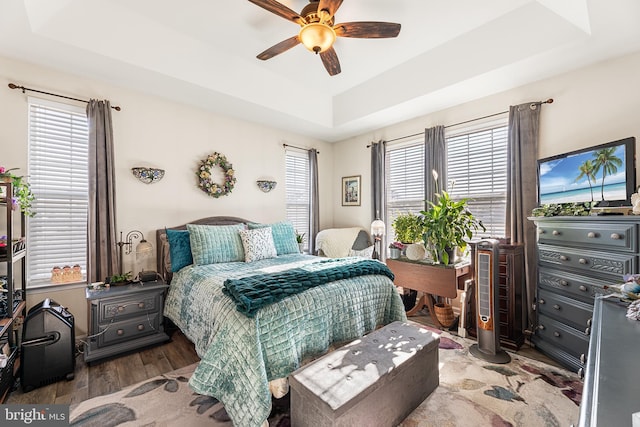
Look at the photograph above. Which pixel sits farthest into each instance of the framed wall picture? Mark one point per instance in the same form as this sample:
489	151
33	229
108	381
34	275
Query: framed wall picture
351	190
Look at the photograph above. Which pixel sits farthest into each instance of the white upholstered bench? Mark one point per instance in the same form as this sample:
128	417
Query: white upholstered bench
377	380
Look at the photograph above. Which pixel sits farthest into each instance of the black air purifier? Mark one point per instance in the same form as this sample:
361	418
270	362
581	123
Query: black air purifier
48	345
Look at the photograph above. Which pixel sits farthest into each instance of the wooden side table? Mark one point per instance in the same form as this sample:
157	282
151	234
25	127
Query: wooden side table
431	279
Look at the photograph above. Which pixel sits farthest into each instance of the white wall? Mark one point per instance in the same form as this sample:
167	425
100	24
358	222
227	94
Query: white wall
151	131
592	105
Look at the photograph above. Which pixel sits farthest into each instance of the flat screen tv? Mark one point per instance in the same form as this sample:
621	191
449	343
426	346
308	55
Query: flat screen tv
604	173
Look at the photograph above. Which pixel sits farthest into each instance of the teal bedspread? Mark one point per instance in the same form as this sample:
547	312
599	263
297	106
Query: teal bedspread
253	292
240	354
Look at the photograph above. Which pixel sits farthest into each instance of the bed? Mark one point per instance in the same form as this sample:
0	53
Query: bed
244	350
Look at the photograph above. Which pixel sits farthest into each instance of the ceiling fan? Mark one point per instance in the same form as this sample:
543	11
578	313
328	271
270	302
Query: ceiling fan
318	32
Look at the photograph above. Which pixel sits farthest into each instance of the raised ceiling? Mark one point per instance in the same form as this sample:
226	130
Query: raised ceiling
203	52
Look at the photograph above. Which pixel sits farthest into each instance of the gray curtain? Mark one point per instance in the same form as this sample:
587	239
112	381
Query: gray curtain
435	157
522	189
101	253
314	217
378	190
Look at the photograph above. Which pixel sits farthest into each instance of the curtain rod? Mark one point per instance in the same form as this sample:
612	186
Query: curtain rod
14	86
548	101
299	148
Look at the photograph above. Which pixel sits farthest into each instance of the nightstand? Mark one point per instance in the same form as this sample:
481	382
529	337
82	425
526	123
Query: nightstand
124	318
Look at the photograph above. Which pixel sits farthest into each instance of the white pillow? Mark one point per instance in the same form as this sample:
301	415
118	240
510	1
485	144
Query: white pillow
367	252
258	244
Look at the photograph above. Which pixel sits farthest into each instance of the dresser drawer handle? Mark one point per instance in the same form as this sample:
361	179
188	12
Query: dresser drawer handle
141	327
541	301
589	320
556	233
583	288
541	327
564	258
140	305
583	359
541	231
581	373
616	236
583	261
556	334
587	331
120	332
564	283
120	308
591	235
556	307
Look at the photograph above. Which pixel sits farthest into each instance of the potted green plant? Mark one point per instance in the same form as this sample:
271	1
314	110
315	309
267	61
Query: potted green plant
300	241
395	250
407	228
22	196
447	224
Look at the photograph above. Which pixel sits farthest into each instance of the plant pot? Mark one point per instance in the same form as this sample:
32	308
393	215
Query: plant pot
451	254
394	253
301	247
444	314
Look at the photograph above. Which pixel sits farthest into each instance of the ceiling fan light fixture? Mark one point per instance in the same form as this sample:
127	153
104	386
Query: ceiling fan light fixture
317	37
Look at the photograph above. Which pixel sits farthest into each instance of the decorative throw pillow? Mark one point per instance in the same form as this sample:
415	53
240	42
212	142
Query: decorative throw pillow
212	244
258	244
367	252
179	249
284	236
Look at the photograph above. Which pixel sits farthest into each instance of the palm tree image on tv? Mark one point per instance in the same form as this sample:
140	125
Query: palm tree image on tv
588	170
576	176
606	160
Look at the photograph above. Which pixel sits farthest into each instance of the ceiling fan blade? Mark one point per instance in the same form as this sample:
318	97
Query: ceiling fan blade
330	61
367	30
277	49
280	10
330	6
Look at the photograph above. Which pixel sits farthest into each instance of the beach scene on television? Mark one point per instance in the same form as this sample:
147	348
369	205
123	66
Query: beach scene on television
595	175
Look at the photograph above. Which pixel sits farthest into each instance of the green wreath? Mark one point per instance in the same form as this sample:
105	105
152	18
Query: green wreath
205	182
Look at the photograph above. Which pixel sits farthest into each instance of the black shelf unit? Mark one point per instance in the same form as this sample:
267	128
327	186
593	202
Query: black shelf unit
13	255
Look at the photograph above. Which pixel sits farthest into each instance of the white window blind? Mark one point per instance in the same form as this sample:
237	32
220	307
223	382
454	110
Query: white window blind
58	174
404	181
298	191
477	169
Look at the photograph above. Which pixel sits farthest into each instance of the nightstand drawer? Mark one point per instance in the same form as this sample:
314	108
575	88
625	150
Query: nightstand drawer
131	305
129	329
571	312
597	235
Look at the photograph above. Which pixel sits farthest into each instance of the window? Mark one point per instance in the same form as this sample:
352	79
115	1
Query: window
404	181
477	169
298	191
58	174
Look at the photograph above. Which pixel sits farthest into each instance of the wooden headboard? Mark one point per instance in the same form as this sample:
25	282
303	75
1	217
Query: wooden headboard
162	256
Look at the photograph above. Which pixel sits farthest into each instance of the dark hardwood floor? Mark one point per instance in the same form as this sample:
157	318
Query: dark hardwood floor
111	375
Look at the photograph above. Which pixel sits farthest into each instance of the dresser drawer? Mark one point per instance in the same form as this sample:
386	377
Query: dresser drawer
575	342
129	329
568	311
588	262
583	288
597	235
128	306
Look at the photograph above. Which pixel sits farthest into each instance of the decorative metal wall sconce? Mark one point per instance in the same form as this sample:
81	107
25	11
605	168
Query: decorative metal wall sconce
148	175
266	186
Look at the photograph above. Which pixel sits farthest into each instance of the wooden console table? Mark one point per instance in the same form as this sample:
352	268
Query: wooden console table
431	279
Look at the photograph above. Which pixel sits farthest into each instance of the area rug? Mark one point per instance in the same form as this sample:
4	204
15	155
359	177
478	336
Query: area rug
472	392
